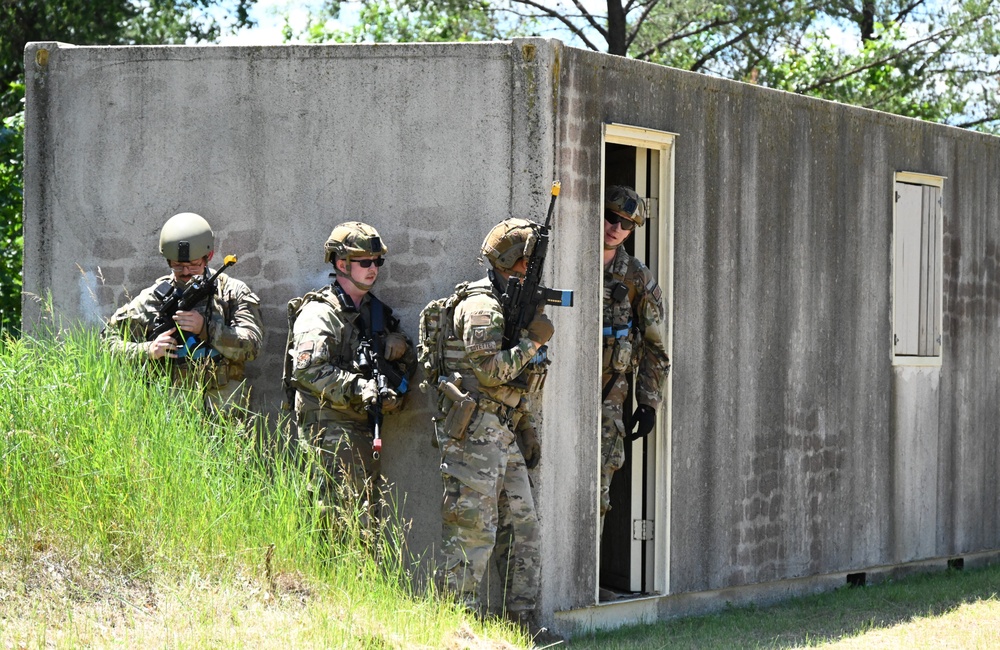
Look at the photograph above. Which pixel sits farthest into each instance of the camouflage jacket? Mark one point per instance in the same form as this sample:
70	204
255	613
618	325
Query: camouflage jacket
232	326
479	323
324	343
635	327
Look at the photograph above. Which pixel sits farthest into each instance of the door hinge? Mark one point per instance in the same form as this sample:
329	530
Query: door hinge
642	529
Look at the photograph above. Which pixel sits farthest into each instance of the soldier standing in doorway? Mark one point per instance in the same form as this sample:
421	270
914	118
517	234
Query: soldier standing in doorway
634	337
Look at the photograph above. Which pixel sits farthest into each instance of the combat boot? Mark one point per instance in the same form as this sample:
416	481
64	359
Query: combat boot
541	637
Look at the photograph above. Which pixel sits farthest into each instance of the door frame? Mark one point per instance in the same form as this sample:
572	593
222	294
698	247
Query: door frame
660	230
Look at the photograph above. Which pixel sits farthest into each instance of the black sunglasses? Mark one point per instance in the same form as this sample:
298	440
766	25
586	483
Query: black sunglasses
613	218
378	261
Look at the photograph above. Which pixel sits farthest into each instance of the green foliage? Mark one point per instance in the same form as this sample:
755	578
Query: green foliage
107	458
11	206
876	76
100	456
109	22
924	59
407	21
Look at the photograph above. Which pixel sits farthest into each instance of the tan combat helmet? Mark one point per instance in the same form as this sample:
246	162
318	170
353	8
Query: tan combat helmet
186	236
509	241
353	239
624	202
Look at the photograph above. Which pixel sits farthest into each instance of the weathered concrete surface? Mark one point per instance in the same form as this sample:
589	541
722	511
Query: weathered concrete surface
274	146
799	452
798	449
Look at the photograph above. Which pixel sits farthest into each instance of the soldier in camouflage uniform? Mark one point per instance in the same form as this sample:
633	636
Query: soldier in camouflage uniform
634	336
332	394
487	504
227	328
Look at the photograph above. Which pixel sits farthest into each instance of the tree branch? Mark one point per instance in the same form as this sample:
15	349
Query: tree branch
868	66
630	38
552	13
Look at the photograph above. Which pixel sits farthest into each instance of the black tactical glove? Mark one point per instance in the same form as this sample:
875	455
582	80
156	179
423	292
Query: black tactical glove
643	421
527	440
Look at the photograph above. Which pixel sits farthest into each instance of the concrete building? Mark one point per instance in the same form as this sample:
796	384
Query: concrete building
833	275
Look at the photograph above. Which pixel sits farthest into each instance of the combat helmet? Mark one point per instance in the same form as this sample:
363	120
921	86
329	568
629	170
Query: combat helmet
186	236
624	202
353	239
509	241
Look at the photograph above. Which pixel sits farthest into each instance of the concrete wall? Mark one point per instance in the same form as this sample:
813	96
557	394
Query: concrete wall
274	146
798	448
799	452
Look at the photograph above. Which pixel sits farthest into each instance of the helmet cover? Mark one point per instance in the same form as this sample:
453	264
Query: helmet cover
625	202
509	241
186	236
353	239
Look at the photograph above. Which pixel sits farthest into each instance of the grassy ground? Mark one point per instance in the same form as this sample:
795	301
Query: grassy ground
953	609
130	519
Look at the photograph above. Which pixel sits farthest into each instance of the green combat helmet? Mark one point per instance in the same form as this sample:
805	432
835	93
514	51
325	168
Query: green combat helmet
509	241
353	239
624	202
185	237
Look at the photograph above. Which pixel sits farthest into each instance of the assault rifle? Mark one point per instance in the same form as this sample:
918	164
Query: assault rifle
522	299
368	364
184	299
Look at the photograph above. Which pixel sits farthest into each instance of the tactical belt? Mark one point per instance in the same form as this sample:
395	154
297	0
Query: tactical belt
508	415
617	332
611	332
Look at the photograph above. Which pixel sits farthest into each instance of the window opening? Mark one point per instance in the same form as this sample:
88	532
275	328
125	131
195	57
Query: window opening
917	272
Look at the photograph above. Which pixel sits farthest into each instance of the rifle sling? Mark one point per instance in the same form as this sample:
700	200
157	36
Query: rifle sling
607	387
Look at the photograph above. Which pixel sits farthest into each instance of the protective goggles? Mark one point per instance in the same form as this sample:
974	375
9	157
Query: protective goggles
614	217
378	261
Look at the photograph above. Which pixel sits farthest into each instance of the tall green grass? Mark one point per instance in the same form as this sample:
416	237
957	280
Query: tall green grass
105	462
100	455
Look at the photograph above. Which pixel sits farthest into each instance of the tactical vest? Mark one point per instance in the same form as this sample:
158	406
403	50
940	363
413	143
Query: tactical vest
622	340
441	352
343	354
210	369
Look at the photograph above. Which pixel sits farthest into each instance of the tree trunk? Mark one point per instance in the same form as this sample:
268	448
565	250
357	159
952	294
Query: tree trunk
867	21
617	28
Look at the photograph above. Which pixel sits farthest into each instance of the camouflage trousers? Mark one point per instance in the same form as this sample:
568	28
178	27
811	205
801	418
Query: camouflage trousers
232	399
612	438
488	510
338	453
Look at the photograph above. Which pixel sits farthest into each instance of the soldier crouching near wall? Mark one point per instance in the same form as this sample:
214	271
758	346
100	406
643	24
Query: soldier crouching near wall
206	345
487	505
339	394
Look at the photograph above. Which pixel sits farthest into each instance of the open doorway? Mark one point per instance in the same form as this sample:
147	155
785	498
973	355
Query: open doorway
634	543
